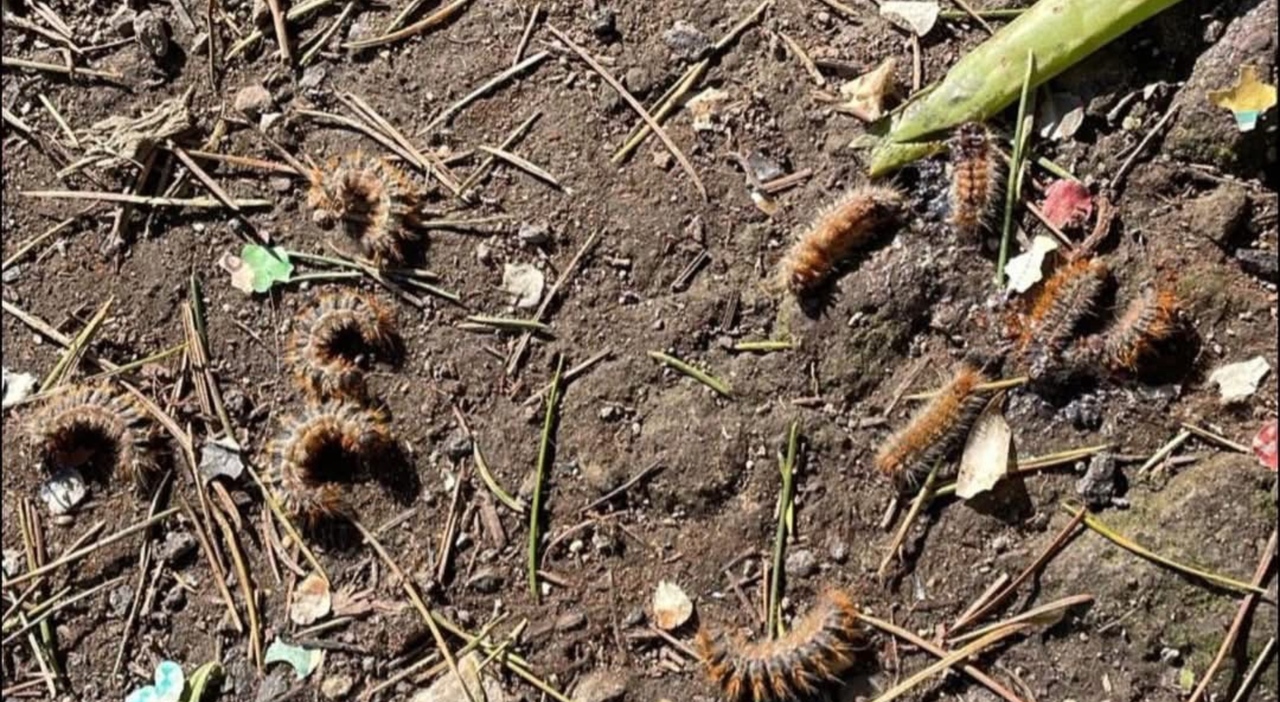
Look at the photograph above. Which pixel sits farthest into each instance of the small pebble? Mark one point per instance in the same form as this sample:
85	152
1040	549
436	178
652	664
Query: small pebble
571	621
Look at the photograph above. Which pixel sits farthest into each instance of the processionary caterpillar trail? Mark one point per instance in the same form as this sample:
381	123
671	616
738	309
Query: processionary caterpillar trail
936	429
820	648
842	227
329	338
976	172
378	207
319	451
94	427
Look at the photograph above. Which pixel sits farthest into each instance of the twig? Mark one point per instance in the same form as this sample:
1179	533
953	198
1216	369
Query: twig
451	111
979	18
426	161
35	241
1118	179
508	324
197	202
635	105
14	62
1255	672
526	34
992	386
282	32
701	376
436	18
62	123
1164	451
523	164
323	39
489	161
540	472
75	350
924	497
517	354
78	554
1031	465
1215	438
247	162
1045	615
951	659
48	610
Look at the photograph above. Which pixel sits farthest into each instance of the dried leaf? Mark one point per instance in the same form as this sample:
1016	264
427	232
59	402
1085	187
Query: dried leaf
988	452
1247	99
311	601
1238	381
1027	269
917	17
671	607
705	107
1264	445
525	283
864	96
1067	203
1061	115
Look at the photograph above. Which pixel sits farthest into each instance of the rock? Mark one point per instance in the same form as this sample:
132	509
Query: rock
763	168
604	23
571	621
1084	413
175	599
837	549
534	234
253	101
1260	263
177	545
801	563
1205	133
119	599
12	562
17	386
312	77
1219	215
11	274
151	31
447	688
639	80
457	445
218	460
604	685
1098	486
1171	656
687	41
602	477
525	283
63	491
485	580
336	687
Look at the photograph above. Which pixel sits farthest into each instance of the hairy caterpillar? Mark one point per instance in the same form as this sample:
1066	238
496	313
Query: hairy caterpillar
1150	318
936	429
1065	300
96	428
378	207
321	449
975	178
330	336
819	649
842	227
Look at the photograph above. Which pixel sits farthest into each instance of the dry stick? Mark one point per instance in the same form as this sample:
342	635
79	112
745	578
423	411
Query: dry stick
652	469
426	161
483	169
527	34
1215	438
635	105
295	13
951	660
35	241
44	615
1045	615
197	202
1119	177
809	66
978	676
206	384
451	524
1255	672
1043	559
43	647
438	17
976	17
451	111
925	496
327	35
75	350
246	588
523	164
274	505
282	32
691	77
412	591
517	355
62	123
144	566
13	62
78	554
1242	615
1164	451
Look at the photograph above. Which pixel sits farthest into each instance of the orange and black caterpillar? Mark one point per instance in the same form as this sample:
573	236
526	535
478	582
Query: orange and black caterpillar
320	450
378	207
820	648
842	227
96	428
936	429
1151	318
975	179
330	336
1064	301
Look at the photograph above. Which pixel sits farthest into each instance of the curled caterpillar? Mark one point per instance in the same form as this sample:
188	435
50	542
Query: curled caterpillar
378	207
1065	300
329	338
838	230
1151	318
319	451
821	647
975	179
936	429
96	428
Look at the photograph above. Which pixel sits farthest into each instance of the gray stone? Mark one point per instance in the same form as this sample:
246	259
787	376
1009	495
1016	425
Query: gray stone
604	685
1219	215
336	687
457	445
1259	262
253	101
801	563
687	41
63	491
177	545
485	580
119	599
534	234
1098	486
571	621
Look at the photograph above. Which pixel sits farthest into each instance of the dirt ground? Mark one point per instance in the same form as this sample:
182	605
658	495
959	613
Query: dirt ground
1197	203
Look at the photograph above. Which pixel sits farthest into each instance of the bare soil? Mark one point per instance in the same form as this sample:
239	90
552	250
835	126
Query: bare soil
898	319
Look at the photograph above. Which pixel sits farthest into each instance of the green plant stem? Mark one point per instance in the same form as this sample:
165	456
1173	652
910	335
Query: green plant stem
544	454
1014	186
787	468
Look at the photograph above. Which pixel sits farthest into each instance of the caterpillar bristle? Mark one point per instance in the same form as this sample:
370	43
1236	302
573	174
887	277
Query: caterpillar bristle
842	227
95	427
1064	301
818	650
936	429
378	207
320	450
331	336
976	172
1150	319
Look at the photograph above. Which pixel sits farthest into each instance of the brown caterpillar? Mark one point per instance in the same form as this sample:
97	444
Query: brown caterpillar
1150	318
821	647
320	450
976	171
1064	301
936	429
96	428
330	336
378	207
842	227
